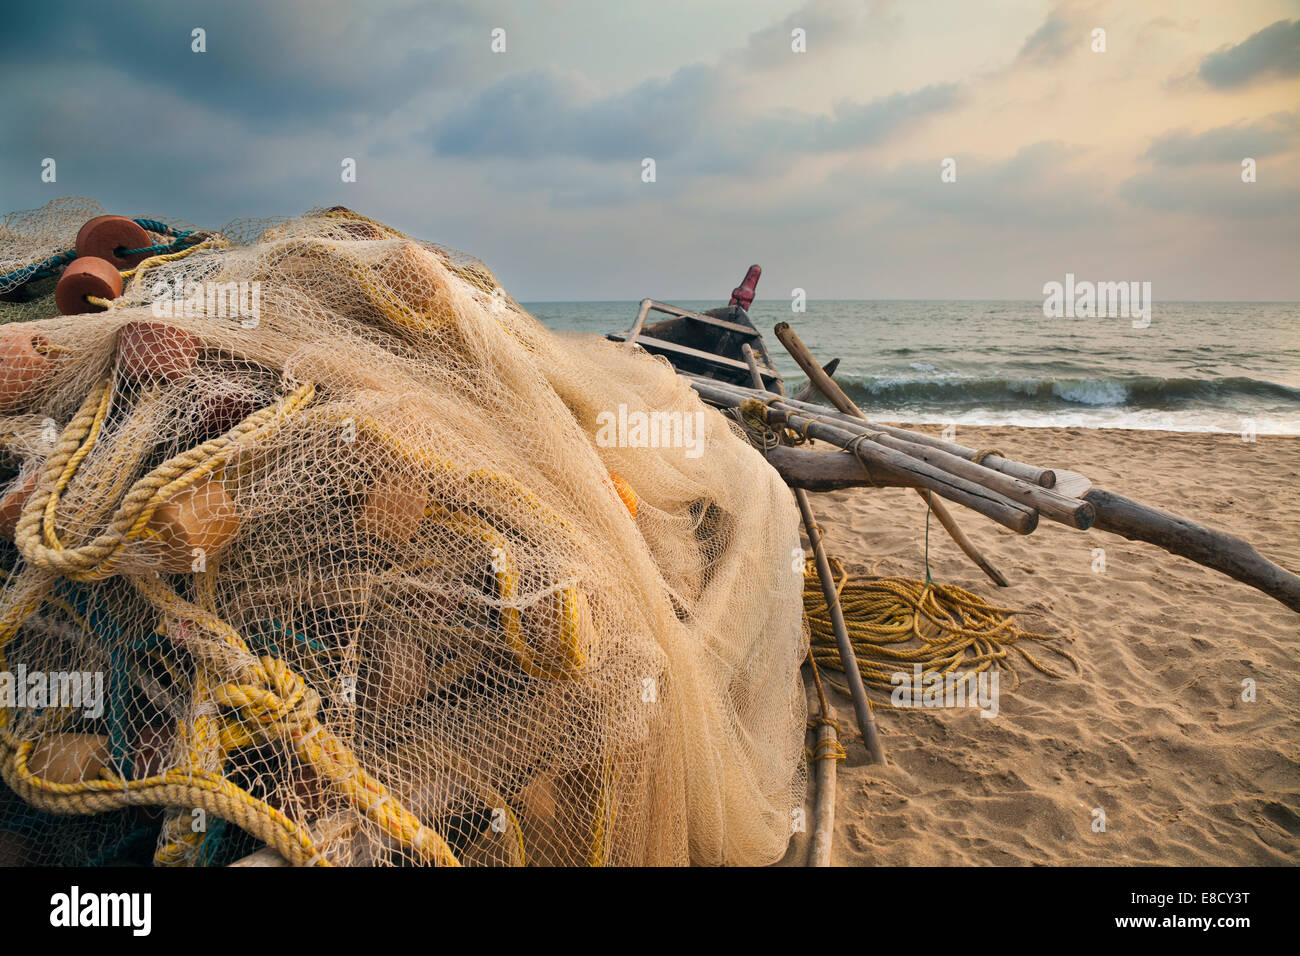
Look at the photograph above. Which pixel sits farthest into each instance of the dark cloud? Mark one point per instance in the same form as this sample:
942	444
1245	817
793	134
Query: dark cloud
1278	133
543	114
1273	51
289	62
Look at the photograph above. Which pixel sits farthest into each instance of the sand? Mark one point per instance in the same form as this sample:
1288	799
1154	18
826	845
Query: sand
1154	733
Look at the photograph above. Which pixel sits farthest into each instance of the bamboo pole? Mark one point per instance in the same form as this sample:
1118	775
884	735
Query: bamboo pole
725	393
848	657
823	831
799	352
887	467
1047	501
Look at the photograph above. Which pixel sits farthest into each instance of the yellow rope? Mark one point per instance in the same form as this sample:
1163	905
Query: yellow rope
266	702
259	700
129	274
896	623
97	559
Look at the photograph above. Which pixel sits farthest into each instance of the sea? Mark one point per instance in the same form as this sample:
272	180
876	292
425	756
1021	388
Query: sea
1198	366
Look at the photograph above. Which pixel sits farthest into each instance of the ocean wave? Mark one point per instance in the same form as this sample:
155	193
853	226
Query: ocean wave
1132	391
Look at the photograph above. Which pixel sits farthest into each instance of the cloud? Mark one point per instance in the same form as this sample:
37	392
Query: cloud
850	125
1219	194
294	62
1063	33
1043	185
1273	51
1275	134
827	23
544	114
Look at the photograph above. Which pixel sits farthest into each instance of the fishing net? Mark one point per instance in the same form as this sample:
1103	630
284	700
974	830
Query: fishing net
374	569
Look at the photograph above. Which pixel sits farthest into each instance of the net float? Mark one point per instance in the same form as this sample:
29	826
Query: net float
625	493
26	361
15	496
392	511
218	413
356	228
195	523
398	675
362	230
69	758
108	237
87	275
415	275
155	350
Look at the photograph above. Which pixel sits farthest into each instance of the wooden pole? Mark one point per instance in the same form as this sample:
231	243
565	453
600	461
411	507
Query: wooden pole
1214	549
641	314
848	658
888	468
727	394
823	832
799	352
809	391
1047	501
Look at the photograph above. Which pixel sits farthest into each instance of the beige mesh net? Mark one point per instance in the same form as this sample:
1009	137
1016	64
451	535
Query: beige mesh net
364	572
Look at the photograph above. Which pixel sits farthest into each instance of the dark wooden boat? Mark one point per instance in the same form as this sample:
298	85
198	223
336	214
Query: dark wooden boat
706	343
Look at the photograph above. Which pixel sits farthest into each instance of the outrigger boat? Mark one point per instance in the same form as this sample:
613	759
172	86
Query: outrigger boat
709	350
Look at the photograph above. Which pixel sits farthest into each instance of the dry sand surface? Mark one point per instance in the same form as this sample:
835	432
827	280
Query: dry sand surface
1154	732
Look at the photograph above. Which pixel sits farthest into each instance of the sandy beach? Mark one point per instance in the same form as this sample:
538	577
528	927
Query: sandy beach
1154	732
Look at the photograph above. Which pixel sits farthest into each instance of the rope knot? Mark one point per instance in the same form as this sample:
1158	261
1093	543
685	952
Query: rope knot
281	704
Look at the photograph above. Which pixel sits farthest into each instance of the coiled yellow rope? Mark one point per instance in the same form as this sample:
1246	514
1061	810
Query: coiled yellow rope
896	623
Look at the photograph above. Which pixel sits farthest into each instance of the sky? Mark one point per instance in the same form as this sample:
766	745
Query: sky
1122	164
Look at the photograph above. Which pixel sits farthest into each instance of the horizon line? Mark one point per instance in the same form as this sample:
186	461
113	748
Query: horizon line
672	299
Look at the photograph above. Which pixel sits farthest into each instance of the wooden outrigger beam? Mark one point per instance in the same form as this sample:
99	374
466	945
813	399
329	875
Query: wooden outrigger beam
818	471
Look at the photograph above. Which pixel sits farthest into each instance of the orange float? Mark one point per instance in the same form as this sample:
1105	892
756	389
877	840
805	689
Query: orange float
626	493
106	237
69	758
414	274
26	361
393	511
11	503
85	276
152	351
198	521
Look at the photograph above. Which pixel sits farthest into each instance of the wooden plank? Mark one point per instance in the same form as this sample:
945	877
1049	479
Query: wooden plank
652	344
706	319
